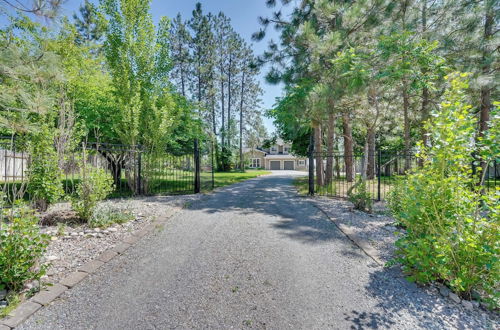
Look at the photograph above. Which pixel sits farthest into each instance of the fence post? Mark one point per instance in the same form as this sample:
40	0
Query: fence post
379	173
311	164
196	167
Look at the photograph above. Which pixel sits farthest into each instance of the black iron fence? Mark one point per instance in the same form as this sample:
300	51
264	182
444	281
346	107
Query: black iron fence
380	170
135	170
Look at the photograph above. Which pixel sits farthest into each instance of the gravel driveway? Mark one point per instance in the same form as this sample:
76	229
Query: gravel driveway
252	255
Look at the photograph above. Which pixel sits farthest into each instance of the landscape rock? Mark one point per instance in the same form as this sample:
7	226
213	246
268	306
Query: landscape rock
454	297
468	305
444	291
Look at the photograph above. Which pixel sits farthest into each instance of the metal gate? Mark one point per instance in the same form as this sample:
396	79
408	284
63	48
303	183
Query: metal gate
134	170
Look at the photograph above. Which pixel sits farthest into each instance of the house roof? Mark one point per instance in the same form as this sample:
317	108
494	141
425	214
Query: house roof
245	150
282	157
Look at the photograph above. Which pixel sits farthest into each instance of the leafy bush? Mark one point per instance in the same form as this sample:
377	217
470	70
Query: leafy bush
106	215
452	226
359	195
44	175
21	246
95	185
225	160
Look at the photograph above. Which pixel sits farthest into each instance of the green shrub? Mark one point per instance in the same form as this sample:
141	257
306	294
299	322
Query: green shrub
44	175
359	195
95	186
452	227
225	160
107	215
21	246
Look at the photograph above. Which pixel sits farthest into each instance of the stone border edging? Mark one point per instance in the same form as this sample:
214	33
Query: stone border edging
363	244
45	297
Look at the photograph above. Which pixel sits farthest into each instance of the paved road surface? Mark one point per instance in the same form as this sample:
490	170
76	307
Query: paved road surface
254	255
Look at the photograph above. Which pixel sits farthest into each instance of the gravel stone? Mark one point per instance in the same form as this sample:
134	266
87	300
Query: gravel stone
75	249
468	305
254	254
376	231
454	297
444	291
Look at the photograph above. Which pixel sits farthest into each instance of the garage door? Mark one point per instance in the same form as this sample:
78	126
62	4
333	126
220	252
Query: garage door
275	165
288	165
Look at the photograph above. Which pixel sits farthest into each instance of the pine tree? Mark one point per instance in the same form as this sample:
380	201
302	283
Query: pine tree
89	23
180	40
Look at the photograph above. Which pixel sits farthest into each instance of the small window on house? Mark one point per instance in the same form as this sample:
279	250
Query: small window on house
273	148
255	163
286	150
302	162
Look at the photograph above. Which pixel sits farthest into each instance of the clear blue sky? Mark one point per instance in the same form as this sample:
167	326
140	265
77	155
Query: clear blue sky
243	14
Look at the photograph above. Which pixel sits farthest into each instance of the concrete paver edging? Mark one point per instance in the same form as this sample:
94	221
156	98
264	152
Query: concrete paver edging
47	296
363	244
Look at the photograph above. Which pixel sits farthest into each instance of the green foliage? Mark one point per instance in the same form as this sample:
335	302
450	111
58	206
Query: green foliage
13	300
90	24
225	160
28	73
137	56
359	195
96	184
106	215
44	174
452	227
21	246
291	122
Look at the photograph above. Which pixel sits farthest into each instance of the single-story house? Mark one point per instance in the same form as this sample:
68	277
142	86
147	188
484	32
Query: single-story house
277	157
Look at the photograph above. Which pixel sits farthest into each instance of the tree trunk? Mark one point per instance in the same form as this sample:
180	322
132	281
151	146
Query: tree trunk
425	92
329	147
348	147
364	160
241	119
320	180
223	128
183	89
484	112
406	106
370	166
229	101
115	166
